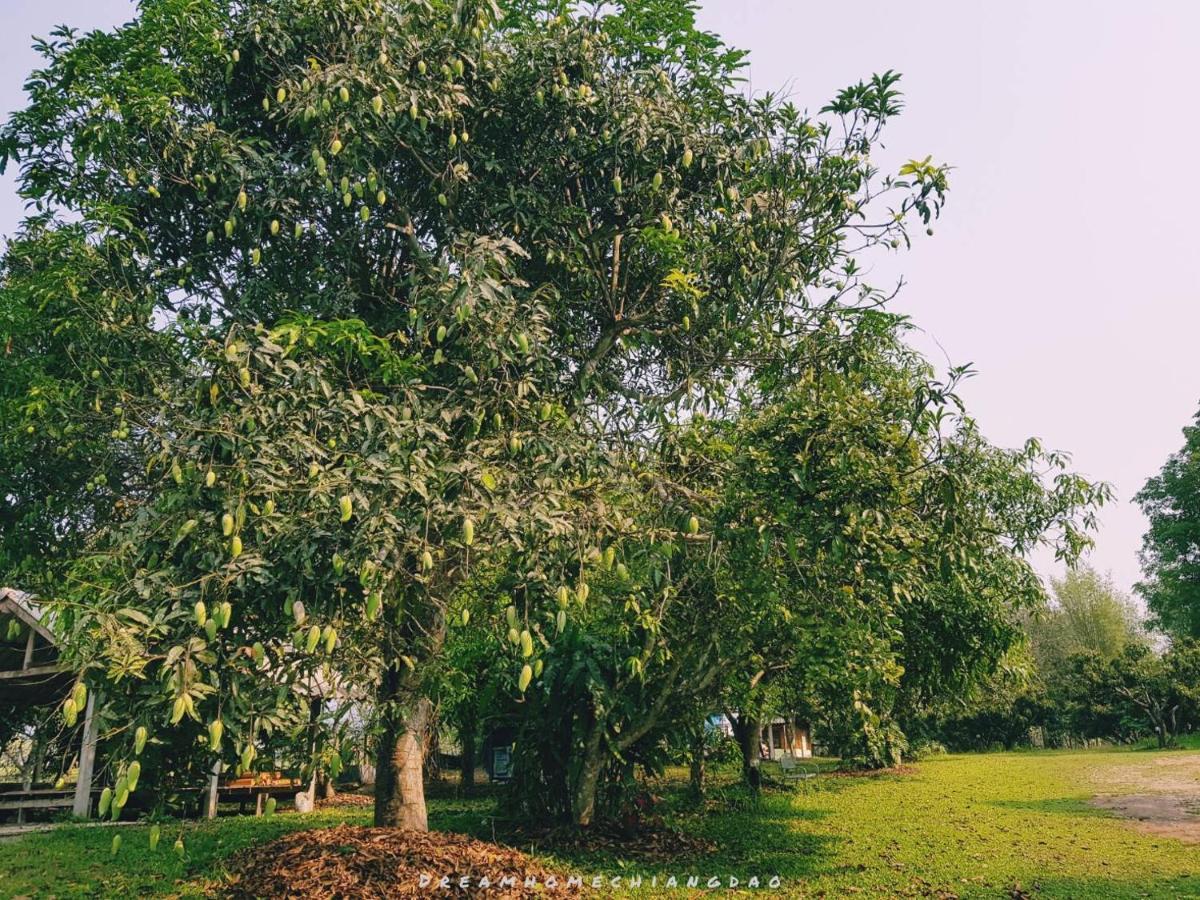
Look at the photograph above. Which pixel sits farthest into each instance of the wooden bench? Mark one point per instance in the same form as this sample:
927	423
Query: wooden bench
36	798
20	800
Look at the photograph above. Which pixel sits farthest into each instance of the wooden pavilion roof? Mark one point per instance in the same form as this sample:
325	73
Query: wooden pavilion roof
30	671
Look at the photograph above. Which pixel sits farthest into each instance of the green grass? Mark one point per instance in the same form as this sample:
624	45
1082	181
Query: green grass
972	826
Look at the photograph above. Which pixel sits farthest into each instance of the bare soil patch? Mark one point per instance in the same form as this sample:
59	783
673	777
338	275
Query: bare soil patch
1170	815
1162	794
376	863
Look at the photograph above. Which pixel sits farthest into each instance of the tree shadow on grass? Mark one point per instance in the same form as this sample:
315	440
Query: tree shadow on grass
739	836
1114	888
1061	806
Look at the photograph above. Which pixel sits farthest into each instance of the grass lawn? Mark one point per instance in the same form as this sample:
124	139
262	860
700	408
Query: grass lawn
970	826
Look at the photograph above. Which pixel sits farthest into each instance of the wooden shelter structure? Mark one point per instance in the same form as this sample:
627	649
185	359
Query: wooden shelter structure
32	675
788	736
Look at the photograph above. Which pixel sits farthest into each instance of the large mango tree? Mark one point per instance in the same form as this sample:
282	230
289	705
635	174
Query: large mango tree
323	302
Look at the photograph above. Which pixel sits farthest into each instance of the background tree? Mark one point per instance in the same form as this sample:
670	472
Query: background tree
1171	502
1087	615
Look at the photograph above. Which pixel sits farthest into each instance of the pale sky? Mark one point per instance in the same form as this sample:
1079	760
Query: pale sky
1063	267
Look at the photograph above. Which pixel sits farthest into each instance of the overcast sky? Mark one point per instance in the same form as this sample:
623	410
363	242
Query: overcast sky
1064	266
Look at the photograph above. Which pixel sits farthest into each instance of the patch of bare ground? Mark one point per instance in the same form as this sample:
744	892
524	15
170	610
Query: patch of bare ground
1159	794
376	863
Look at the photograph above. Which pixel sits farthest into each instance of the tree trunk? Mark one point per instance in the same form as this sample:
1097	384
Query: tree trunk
696	777
433	750
696	773
325	787
748	732
467	739
583	797
399	773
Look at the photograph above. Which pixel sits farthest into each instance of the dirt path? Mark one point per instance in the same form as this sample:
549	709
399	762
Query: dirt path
1160	793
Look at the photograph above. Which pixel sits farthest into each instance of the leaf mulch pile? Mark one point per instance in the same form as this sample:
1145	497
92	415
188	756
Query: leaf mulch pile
346	800
376	863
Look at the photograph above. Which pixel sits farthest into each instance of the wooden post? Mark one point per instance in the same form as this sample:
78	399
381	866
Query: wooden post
771	740
210	808
82	806
29	649
258	804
